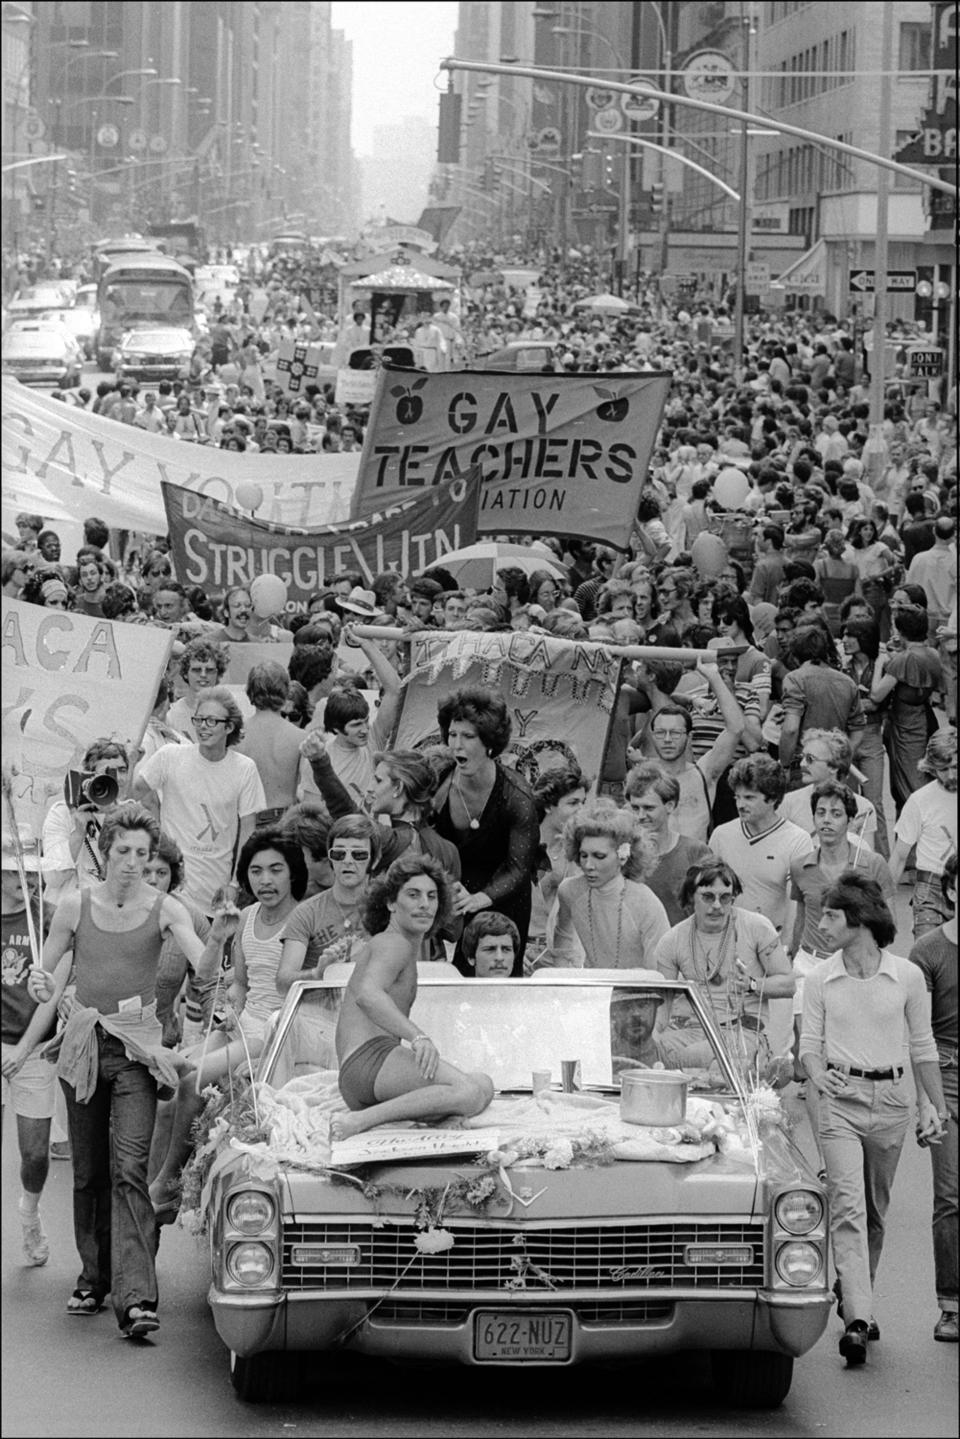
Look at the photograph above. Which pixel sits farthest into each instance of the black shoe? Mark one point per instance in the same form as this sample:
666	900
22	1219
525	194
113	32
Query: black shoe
853	1343
873	1330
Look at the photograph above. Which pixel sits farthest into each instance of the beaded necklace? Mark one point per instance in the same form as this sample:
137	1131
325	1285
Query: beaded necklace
710	972
593	938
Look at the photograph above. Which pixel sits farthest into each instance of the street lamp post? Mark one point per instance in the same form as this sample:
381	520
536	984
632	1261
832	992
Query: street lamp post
746	200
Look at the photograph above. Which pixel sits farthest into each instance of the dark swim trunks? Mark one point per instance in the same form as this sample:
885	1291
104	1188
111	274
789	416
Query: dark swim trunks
358	1072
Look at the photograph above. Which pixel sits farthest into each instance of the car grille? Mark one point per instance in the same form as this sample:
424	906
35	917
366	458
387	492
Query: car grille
618	1257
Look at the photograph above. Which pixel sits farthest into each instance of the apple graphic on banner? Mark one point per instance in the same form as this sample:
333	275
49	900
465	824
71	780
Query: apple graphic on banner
409	404
614	407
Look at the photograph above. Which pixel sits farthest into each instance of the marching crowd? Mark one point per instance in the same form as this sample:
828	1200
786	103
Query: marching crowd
738	833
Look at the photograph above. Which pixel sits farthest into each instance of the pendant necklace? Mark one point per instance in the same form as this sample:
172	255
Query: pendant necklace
593	938
712	970
346	920
474	821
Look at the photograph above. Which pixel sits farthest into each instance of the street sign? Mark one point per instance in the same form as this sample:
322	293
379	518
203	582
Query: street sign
600	99
865	280
640	107
756	277
108	137
710	75
609	121
925	363
33	128
548	141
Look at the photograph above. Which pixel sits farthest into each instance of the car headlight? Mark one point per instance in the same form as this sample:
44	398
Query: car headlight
251	1212
799	1263
250	1263
799	1211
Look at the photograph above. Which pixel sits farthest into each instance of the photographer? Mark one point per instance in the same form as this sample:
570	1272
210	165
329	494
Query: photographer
71	859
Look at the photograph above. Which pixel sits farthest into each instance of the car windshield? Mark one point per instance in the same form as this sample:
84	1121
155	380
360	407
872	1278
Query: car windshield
508	1028
157	340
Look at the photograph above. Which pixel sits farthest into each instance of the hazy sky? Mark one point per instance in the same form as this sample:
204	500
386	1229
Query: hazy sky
396	53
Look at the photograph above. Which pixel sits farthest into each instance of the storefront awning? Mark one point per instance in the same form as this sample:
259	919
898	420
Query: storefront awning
808	275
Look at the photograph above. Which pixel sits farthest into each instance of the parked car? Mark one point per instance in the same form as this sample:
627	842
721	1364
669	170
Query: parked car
160	354
520	355
41	353
540	1243
83	318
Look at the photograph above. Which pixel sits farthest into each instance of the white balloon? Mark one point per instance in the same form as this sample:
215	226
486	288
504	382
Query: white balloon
709	554
731	488
268	594
248	495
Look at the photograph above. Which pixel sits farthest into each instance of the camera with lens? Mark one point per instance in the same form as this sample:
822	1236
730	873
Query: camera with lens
83	789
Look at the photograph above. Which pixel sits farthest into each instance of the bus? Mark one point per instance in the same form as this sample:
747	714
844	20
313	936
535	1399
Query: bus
141	290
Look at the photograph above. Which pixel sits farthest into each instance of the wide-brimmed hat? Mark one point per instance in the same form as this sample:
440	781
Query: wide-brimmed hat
360	602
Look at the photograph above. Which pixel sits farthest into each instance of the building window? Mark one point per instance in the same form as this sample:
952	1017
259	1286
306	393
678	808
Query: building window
915	45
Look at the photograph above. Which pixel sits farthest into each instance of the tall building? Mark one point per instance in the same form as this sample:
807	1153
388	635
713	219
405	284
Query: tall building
237	110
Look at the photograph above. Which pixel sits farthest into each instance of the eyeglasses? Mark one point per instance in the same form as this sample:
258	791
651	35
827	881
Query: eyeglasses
709	897
669	733
339	855
201	721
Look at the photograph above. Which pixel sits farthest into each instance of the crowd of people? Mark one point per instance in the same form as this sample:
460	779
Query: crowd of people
738	832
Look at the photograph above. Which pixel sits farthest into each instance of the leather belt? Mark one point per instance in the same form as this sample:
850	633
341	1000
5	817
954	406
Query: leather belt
895	1073
928	876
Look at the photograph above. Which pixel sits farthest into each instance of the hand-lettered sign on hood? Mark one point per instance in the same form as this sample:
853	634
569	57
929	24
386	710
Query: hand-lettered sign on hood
559	454
66	464
69	679
218	547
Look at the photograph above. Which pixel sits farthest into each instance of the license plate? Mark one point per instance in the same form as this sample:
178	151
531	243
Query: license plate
538	1336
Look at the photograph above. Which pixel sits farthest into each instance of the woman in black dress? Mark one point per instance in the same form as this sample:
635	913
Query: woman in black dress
488	812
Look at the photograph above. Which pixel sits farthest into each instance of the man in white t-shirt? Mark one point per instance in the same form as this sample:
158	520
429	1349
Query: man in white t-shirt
761	845
929	821
207	795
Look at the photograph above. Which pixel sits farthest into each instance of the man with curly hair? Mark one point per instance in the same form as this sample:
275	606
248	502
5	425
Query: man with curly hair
201	665
383	1080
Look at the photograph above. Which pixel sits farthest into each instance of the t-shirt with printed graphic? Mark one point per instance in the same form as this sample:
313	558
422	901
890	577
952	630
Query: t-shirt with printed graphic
319	922
201	805
16	1005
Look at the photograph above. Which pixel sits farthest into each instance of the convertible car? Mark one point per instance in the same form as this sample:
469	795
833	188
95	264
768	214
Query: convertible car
552	1229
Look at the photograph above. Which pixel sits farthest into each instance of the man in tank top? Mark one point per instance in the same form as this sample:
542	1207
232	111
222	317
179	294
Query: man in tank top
111	1060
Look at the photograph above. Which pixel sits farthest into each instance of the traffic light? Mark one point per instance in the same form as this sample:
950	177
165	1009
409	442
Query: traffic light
448	134
656	196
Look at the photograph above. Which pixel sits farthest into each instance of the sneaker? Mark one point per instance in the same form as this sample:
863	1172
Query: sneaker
60	1149
946	1328
36	1250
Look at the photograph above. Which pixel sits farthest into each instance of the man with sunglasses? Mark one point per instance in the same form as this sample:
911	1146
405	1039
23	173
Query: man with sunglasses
206	795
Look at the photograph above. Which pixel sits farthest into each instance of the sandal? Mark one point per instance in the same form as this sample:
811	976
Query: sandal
138	1322
83	1302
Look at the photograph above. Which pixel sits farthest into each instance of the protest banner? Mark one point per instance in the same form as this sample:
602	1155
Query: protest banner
218	547
69	679
244	656
355	387
559	454
65	464
298	365
560	694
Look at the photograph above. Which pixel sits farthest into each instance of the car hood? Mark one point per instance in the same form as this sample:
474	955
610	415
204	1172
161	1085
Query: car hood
716	1185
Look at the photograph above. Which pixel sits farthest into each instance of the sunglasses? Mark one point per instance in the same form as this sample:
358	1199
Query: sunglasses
709	897
339	855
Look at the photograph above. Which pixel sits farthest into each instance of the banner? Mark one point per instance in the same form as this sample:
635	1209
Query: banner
69	679
355	387
552	688
218	547
298	366
65	464
560	454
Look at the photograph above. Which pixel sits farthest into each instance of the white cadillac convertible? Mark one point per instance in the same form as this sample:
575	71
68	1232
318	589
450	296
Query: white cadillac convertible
634	1189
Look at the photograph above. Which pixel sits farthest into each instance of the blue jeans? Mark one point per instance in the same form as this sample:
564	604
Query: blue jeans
870	758
861	1136
113	1221
944	1159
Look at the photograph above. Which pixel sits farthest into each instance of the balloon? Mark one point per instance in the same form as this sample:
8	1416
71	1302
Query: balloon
731	488
709	554
269	595
248	495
